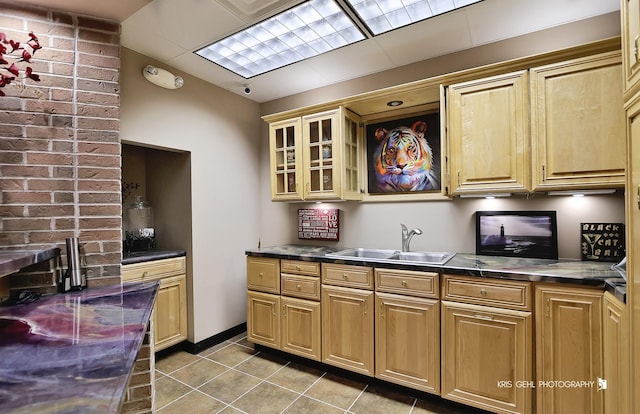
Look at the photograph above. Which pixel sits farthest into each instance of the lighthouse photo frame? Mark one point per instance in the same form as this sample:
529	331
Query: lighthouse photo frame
531	234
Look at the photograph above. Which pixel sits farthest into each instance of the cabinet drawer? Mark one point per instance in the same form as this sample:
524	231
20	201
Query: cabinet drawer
305	287
348	276
491	292
407	282
300	267
263	274
154	269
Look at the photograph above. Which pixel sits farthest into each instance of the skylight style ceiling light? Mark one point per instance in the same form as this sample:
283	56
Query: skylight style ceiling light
383	15
315	27
307	30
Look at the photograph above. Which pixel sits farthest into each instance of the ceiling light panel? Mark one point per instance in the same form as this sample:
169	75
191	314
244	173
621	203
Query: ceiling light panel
384	15
307	30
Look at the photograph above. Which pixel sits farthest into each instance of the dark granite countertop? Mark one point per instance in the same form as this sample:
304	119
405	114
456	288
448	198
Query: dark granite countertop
73	352
148	255
12	260
558	271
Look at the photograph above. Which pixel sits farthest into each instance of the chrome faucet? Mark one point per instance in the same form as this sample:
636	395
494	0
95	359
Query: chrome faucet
407	235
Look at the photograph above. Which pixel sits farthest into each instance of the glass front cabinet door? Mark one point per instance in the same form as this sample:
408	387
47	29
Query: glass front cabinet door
315	157
285	140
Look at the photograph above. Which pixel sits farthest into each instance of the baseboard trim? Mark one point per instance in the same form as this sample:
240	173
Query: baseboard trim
195	348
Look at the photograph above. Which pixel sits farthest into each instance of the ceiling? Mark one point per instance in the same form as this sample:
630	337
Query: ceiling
169	31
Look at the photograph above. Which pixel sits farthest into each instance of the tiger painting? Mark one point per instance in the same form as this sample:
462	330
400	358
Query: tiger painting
403	160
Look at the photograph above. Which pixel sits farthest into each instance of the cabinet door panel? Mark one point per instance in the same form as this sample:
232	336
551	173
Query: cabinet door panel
568	348
488	129
616	352
263	319
347	328
487	359
170	312
285	140
408	341
630	13
577	127
321	134
301	327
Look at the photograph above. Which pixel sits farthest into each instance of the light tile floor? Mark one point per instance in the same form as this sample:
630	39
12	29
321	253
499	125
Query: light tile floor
232	377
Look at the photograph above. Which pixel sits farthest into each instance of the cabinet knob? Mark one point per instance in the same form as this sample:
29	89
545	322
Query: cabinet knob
297	267
260	274
404	283
298	287
145	274
344	276
483	292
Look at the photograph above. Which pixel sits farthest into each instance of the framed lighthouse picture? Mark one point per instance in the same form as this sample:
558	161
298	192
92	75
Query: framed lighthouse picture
531	234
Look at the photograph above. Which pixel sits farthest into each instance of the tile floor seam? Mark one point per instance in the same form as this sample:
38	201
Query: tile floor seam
182	396
245	393
358	397
171	372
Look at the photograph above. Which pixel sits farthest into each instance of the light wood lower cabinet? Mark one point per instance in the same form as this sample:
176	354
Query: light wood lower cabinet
289	321
170	309
408	341
263	318
347	328
568	348
615	351
487	357
301	327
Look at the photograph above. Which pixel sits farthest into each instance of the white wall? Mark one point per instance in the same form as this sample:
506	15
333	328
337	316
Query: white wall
450	225
221	131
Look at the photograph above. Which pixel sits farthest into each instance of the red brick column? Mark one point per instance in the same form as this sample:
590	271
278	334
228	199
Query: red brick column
59	140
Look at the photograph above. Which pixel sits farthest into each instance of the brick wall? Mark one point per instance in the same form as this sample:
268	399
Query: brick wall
59	140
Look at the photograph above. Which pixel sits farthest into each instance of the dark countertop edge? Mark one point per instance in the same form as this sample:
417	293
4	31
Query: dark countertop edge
147	256
139	339
616	286
13	260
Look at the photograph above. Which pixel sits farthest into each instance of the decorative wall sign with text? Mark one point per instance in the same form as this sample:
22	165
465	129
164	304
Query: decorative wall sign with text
318	224
602	242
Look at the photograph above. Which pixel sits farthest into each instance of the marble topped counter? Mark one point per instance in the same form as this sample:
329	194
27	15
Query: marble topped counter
558	271
12	260
72	352
148	255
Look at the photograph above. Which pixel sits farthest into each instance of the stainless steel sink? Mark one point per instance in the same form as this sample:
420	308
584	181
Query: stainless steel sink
438	258
423	257
364	253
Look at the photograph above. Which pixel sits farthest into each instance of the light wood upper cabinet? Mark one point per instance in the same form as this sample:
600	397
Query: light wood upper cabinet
568	348
630	16
488	122
285	143
315	157
577	127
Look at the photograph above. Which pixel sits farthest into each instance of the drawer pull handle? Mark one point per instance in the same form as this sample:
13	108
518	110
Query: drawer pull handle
404	283
483	292
484	317
298	287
